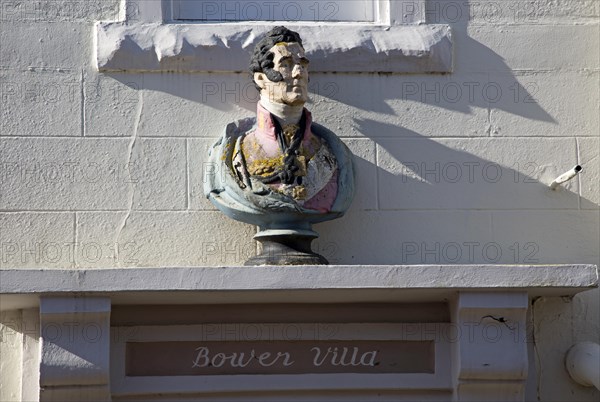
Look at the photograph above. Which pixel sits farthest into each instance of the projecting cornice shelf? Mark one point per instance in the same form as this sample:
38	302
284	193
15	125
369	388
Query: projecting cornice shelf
488	303
226	47
314	284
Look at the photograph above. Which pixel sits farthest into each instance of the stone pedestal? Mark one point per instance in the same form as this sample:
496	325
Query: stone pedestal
286	247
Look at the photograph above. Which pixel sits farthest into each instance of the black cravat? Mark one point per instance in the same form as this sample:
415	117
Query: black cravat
286	174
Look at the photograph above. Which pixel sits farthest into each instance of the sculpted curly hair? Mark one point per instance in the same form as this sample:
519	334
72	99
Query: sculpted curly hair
262	58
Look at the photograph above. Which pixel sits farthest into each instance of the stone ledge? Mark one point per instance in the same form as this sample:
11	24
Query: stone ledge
226	47
21	288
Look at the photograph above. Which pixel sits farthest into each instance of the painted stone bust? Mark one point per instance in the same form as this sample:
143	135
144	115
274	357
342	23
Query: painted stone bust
280	171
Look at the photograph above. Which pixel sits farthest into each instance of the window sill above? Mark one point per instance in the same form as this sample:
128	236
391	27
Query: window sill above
226	47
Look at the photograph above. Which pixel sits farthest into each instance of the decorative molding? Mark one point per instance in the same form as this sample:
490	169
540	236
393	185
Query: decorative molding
30	384
227	47
389	12
147	39
490	357
75	348
264	284
485	340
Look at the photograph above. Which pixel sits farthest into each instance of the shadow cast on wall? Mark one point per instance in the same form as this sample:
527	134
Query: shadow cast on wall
440	183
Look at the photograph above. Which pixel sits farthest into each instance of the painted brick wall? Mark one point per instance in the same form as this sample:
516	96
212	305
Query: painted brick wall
106	170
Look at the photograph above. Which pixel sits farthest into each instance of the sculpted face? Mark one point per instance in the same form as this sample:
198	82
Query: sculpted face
291	62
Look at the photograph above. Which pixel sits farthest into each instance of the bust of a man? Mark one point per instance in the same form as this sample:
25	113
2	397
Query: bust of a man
279	170
282	151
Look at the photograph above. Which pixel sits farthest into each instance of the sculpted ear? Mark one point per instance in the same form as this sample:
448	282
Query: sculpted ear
260	79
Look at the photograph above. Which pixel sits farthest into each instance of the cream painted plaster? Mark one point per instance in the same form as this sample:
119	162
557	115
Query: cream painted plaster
105	170
11	355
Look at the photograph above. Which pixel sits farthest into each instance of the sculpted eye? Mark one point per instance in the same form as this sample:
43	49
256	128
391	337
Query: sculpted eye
285	63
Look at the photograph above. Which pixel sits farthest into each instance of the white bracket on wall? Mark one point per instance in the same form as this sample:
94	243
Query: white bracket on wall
75	348
491	356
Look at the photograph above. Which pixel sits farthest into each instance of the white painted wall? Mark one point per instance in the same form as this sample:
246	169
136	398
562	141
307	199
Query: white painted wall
11	355
105	170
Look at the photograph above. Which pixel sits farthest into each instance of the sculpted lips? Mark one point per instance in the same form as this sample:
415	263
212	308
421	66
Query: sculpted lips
297	85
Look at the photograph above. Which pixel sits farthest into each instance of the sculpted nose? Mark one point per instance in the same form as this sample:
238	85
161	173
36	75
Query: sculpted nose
299	71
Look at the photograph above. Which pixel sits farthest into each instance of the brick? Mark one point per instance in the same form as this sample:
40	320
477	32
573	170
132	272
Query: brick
46	44
498	173
500	49
40	103
37	240
198	169
405	237
92	174
159	174
550	237
461	237
35	12
191	105
64	174
524	12
365	171
152	239
589	151
405	106
112	103
540	104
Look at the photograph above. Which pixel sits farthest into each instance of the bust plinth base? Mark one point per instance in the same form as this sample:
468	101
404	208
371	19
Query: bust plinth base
286	247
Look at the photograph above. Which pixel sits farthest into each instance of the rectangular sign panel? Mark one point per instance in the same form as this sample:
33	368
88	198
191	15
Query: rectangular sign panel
184	358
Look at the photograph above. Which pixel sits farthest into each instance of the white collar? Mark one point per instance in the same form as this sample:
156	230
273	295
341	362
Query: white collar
285	114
